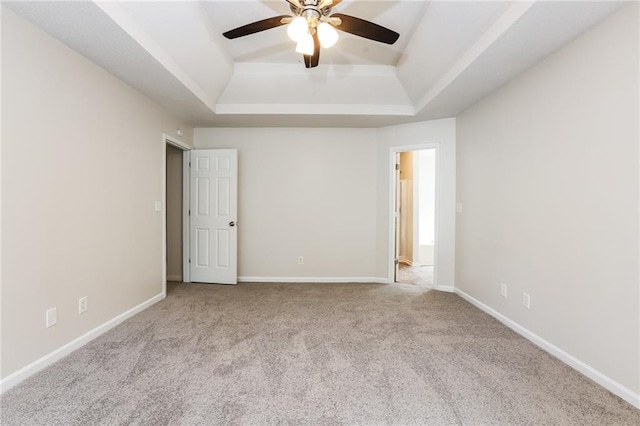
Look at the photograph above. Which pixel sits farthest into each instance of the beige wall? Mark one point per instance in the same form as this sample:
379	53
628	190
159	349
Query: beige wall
324	194
548	174
81	169
174	213
303	192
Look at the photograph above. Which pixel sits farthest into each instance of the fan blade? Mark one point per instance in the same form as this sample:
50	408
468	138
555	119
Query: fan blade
312	61
256	27
366	29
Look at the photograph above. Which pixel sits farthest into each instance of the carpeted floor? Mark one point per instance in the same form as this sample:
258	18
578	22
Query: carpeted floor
311	354
416	275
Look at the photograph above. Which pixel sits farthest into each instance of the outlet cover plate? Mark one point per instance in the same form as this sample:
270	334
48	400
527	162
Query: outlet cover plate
526	300
51	317
503	290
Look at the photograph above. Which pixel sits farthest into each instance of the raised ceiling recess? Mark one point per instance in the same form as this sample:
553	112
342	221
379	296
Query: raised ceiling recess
394	61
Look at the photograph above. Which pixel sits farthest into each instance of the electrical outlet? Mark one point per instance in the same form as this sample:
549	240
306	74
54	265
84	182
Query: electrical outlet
526	300
82	305
300	260
503	290
51	317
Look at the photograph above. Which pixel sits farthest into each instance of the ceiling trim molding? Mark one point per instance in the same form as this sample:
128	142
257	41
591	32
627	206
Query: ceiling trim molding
338	70
318	109
497	30
124	21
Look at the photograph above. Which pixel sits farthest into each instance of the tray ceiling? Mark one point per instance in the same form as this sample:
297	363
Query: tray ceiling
449	55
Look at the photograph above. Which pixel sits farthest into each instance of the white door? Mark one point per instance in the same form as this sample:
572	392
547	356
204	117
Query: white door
213	227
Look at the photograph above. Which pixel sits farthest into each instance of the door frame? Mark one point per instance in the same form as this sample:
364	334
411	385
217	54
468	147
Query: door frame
416	212
170	140
391	204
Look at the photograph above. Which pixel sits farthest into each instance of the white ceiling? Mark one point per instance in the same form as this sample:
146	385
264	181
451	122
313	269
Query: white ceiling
449	55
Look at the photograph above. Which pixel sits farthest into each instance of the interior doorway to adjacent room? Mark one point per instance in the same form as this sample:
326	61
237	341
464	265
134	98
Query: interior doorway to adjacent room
414	216
174	213
174	206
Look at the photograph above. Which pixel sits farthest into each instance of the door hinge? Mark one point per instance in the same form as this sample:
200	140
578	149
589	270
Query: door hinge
189	212
189	163
397	166
396	261
189	260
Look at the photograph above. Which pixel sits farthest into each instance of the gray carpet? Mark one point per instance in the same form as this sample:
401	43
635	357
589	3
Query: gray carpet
311	354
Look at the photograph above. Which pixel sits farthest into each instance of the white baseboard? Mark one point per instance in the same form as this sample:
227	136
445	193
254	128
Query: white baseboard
446	288
174	278
313	280
598	377
25	372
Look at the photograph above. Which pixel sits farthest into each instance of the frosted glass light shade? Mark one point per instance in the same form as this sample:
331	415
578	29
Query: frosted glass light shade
327	34
305	45
298	28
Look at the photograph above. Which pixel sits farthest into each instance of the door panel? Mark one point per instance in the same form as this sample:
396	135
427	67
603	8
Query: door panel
213	219
223	245
202	248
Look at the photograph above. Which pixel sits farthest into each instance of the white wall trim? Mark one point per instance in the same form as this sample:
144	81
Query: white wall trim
415	221
375	280
446	288
186	217
316	109
174	278
25	372
176	142
598	377
1	287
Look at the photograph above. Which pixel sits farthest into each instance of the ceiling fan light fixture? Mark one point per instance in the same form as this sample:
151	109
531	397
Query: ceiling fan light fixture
305	45
327	34
312	25
298	28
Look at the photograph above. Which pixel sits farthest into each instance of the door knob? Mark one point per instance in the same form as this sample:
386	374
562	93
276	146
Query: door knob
232	224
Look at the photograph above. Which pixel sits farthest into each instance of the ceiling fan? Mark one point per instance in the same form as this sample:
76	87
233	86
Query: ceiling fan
312	25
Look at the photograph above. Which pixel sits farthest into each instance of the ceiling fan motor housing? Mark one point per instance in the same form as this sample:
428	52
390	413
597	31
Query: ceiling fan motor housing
311	10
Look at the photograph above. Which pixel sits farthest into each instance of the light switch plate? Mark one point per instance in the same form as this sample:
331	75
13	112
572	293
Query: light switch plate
158	206
83	304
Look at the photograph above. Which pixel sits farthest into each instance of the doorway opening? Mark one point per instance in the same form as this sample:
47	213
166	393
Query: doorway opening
175	194
414	211
174	213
